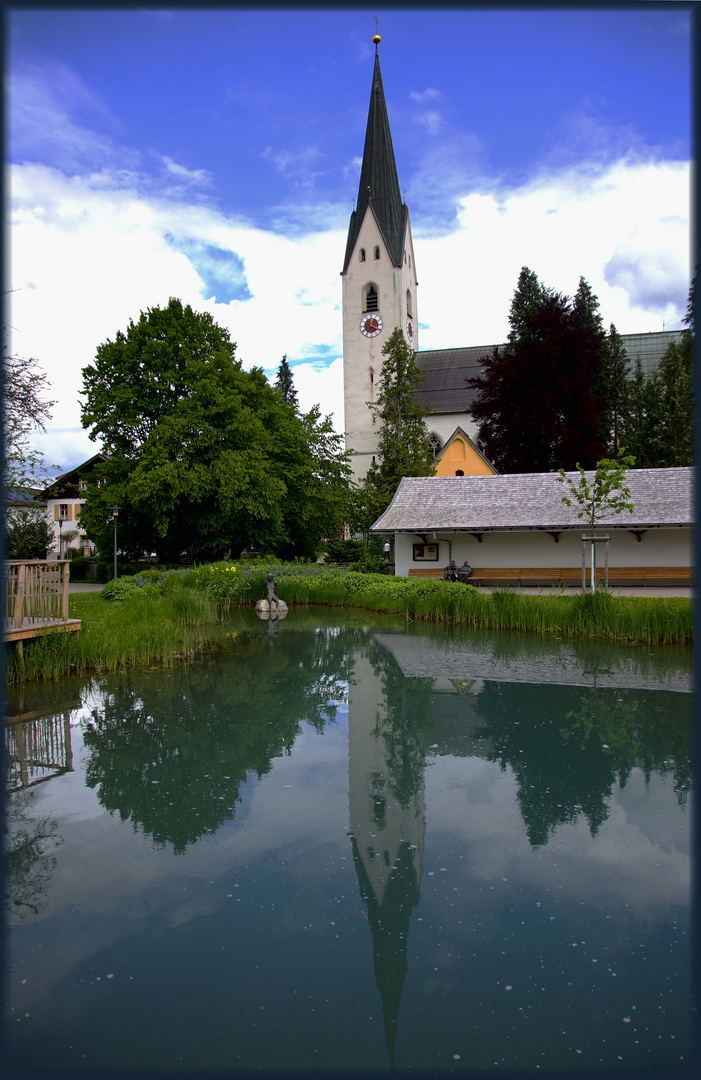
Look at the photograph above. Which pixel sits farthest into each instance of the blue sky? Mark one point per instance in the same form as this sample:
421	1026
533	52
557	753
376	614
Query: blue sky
214	155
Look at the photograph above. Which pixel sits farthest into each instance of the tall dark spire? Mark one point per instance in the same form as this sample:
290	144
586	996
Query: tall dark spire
379	184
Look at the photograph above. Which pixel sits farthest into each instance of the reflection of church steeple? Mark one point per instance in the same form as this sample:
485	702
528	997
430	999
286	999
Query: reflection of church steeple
389	921
387	835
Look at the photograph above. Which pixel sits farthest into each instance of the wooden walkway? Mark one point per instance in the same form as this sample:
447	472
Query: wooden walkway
36	599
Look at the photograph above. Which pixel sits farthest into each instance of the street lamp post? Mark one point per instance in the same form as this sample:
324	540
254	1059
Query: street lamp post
60	527
115	511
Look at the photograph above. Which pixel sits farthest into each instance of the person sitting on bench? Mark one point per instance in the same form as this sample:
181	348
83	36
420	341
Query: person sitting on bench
465	570
451	572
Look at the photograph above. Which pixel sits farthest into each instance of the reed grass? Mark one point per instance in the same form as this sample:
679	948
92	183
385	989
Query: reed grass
600	616
142	631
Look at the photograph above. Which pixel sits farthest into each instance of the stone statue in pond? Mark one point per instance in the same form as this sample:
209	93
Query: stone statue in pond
271	605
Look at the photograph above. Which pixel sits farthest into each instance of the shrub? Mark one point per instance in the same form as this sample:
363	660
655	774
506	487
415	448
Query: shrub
346	551
79	568
119	589
102	572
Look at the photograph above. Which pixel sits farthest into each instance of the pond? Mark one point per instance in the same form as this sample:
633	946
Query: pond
344	841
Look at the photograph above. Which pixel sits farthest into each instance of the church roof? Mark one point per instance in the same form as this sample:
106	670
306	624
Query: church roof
444	389
378	189
662	498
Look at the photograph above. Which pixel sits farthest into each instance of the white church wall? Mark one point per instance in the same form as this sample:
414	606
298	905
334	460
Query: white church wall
444	424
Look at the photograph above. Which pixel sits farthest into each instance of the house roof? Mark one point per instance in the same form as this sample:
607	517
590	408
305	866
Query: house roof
444	390
517	502
378	188
72	476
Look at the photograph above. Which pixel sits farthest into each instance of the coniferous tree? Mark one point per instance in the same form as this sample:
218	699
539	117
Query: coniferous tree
285	384
402	447
671	386
659	407
614	379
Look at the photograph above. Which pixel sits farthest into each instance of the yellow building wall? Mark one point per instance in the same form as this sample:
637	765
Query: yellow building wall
458	454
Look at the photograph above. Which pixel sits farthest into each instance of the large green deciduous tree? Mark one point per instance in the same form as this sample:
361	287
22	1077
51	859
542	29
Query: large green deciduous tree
536	405
205	458
402	445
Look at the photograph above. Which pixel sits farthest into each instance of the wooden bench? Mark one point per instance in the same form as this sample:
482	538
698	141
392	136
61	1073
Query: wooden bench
566	575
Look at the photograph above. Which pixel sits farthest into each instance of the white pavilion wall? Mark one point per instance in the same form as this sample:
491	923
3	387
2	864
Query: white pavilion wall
657	547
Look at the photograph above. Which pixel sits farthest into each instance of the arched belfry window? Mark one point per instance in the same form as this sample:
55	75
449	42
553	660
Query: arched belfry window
377	253
408	303
370	301
435	443
362	254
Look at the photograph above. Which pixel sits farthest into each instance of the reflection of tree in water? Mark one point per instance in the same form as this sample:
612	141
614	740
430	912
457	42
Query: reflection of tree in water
28	860
653	739
561	778
172	752
407	705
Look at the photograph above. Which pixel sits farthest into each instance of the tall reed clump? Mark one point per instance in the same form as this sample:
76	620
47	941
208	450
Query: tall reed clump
600	616
145	627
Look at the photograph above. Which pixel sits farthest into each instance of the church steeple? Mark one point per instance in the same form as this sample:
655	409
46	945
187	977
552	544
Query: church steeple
379	279
379	183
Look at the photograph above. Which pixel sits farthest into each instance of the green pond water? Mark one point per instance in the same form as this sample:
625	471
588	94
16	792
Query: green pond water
342	842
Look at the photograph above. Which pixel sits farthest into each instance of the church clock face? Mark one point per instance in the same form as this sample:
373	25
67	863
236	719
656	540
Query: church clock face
370	325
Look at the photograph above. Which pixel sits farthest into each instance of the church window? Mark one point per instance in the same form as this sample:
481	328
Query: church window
362	254
408	303
377	253
435	443
410	262
370	302
459	472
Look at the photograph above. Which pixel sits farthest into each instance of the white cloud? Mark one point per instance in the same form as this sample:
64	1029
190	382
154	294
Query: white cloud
190	176
85	257
43	103
561	226
422	96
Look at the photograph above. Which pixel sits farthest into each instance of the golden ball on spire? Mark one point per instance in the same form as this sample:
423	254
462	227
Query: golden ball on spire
376	39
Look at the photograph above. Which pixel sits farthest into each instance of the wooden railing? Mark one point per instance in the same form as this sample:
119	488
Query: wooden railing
36	594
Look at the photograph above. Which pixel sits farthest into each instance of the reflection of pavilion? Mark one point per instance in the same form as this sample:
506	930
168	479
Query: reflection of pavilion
387	839
38	747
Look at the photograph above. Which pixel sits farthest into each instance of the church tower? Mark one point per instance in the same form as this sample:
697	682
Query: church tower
379	278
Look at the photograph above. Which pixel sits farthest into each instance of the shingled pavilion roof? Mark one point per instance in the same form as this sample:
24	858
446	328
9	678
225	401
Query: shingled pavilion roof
520	502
